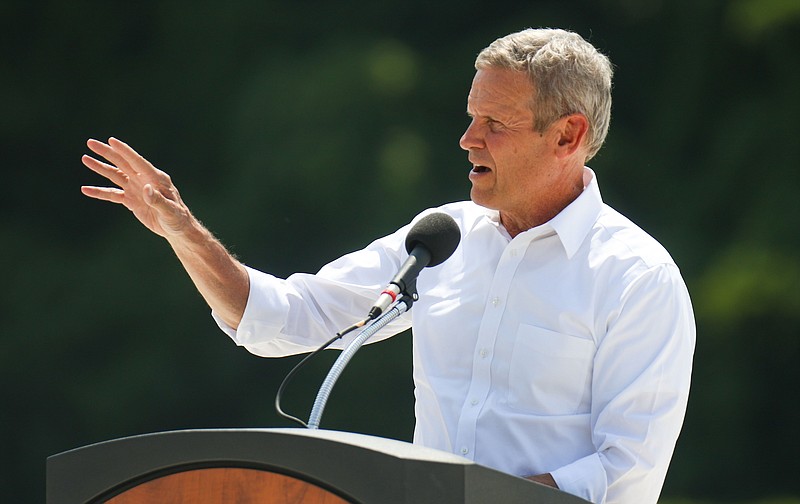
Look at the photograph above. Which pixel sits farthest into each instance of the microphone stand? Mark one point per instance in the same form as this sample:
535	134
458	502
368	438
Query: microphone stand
400	306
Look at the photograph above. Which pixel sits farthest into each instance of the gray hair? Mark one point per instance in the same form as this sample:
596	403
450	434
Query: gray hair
568	74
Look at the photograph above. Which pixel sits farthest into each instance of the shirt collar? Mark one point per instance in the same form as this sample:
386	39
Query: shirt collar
574	222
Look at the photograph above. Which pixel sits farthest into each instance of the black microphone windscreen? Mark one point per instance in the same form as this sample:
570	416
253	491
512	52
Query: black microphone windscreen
437	232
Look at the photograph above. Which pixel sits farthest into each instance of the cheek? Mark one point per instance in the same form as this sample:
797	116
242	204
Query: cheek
499	150
507	160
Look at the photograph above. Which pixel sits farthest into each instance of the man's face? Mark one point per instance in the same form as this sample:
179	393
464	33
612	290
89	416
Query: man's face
509	162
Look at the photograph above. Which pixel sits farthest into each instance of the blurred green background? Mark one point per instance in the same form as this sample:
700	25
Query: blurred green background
288	125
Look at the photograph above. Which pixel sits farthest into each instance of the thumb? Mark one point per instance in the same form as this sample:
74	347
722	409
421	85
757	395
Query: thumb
151	196
157	202
169	215
163	206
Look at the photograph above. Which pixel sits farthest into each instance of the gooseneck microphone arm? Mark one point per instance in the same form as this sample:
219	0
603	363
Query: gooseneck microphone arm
401	306
430	242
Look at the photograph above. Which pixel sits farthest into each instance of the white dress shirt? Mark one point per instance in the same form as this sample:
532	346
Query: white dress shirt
567	349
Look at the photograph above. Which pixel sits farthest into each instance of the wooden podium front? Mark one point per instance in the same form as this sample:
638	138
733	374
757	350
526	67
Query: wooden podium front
279	466
226	484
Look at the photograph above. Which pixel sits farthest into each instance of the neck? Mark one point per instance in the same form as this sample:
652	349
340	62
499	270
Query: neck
541	211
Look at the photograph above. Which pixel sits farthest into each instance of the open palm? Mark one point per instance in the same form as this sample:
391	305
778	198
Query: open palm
142	188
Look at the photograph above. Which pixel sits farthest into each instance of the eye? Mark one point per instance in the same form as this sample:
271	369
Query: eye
494	125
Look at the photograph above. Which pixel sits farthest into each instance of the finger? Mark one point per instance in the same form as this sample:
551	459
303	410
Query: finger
111	194
106	151
140	164
106	170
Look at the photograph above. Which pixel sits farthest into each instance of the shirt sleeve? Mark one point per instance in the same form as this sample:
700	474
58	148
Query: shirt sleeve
297	314
640	389
585	478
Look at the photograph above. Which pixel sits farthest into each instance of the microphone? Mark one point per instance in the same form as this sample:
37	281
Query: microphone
430	242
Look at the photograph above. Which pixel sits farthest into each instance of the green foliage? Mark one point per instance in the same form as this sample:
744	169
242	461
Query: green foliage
749	282
288	125
753	19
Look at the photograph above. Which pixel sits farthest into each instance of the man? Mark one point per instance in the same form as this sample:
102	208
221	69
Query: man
556	343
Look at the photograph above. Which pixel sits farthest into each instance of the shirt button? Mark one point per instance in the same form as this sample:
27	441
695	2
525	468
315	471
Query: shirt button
495	301
464	450
474	402
483	353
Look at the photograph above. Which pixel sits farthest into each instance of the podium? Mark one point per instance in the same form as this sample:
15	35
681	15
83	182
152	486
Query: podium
279	466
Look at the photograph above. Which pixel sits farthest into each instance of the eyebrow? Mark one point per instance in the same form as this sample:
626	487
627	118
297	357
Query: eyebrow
486	117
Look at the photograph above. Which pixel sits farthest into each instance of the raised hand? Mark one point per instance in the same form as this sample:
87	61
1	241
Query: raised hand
142	188
149	193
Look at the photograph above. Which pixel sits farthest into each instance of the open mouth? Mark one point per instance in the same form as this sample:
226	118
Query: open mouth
480	169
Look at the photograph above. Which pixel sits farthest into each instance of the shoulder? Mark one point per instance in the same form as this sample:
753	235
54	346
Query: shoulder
615	237
631	268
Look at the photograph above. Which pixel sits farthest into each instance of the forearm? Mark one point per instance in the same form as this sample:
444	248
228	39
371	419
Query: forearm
219	277
155	201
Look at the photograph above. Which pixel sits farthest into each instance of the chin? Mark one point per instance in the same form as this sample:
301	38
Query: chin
482	200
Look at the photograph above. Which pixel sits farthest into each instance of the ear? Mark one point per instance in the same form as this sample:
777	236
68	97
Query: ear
570	134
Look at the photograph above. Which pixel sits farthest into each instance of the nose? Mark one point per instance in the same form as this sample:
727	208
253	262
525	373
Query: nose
472	137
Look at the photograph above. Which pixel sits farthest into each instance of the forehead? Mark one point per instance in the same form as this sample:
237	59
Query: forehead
500	91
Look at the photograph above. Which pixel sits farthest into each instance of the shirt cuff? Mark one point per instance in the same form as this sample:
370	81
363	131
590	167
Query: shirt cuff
264	315
230	331
585	478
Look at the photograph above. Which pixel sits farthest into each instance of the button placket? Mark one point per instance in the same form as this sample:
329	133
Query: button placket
480	384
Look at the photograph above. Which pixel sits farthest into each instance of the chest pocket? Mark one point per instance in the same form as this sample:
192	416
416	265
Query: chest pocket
550	372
